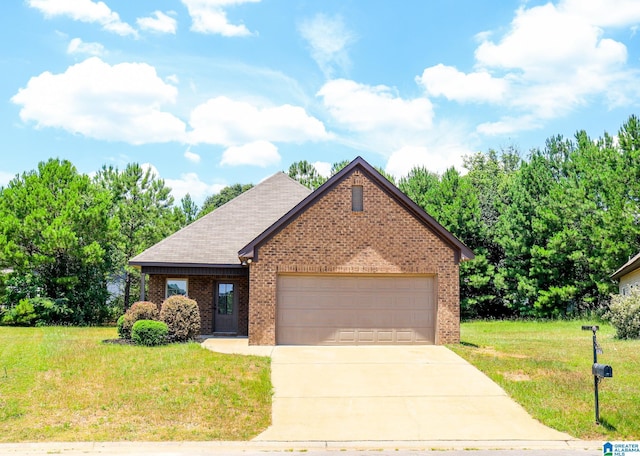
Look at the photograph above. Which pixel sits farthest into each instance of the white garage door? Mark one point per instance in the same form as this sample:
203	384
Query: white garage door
359	310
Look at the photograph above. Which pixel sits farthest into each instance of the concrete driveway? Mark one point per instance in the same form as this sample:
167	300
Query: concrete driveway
410	393
379	393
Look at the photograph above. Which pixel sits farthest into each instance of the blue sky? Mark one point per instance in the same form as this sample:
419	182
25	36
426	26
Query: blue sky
214	92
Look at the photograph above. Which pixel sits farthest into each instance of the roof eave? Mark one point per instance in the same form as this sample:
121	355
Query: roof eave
164	264
629	266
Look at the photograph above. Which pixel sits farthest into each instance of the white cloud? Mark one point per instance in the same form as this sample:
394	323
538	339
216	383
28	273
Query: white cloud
191	156
377	119
435	159
328	38
209	16
545	43
552	60
173	79
257	153
77	46
447	81
84	11
119	103
161	23
323	168
360	107
188	183
604	13
507	125
229	122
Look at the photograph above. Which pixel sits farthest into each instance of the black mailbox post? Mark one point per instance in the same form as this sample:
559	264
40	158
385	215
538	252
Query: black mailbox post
598	370
602	370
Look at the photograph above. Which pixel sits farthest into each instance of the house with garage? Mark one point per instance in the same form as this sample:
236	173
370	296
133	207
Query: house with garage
628	276
353	262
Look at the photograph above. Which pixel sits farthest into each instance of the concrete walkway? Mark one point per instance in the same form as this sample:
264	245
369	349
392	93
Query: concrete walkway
400	393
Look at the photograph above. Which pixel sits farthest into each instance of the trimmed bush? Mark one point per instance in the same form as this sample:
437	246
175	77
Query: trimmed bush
119	324
182	316
149	333
624	315
141	310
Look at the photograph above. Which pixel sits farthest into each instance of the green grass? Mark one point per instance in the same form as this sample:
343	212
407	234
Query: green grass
64	384
546	367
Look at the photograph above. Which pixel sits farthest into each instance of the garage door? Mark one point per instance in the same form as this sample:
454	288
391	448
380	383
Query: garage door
344	310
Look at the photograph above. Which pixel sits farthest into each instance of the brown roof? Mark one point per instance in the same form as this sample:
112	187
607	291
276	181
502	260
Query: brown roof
462	251
629	266
214	239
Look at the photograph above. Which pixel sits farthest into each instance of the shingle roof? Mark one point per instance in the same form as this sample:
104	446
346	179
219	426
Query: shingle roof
631	265
214	240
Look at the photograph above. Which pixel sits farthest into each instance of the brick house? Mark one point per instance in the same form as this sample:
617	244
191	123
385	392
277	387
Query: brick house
354	262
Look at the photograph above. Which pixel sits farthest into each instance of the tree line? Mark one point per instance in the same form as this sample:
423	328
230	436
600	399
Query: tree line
547	229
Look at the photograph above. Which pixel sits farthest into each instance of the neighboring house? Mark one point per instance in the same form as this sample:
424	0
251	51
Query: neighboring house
354	262
628	276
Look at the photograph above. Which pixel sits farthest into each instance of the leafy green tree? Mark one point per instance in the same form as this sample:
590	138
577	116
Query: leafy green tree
188	210
305	173
213	202
568	227
490	174
141	207
520	229
55	228
454	203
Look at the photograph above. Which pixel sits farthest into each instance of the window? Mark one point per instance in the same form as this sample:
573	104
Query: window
225	298
356	198
177	287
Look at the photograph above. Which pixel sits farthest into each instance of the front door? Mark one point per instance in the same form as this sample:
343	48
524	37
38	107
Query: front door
226	308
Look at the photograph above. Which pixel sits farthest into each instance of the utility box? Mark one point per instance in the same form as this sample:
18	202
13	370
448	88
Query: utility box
602	370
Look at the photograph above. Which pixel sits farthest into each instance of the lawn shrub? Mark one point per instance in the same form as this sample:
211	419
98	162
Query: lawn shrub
22	314
51	311
37	311
624	315
119	325
141	310
149	333
182	316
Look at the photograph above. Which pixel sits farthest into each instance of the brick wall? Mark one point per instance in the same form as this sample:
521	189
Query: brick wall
330	238
201	289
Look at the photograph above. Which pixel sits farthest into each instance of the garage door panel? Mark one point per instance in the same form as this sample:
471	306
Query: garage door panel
319	309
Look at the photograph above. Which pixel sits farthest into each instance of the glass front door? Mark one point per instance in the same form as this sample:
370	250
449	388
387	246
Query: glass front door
226	308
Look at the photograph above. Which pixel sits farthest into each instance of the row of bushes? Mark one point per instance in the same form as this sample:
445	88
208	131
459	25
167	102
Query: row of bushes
177	321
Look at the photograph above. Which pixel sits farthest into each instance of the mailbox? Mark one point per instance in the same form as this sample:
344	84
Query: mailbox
602	370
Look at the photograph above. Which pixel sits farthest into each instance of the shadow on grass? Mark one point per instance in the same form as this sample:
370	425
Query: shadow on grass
608	426
468	344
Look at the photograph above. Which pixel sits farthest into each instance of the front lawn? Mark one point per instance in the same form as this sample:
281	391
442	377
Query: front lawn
546	367
64	384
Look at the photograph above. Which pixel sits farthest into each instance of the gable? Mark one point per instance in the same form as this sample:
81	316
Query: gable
389	220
